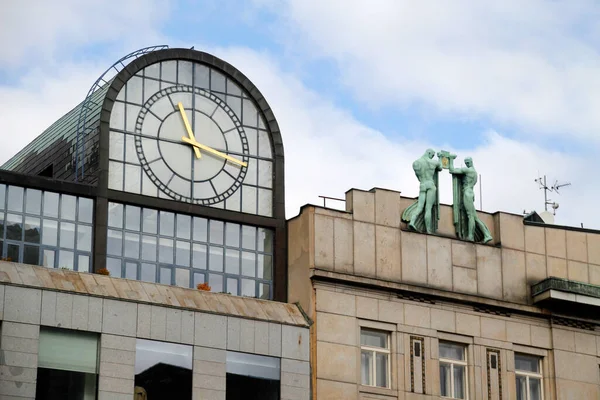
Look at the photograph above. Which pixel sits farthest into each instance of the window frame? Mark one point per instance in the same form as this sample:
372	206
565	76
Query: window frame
528	374
452	363
374	350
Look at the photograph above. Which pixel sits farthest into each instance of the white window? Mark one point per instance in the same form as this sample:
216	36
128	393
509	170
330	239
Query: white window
453	370
375	358
529	377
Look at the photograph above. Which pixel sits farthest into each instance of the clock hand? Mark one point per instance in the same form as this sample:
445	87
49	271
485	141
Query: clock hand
213	151
188	128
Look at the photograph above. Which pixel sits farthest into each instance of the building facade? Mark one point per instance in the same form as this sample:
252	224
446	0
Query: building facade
404	315
144	246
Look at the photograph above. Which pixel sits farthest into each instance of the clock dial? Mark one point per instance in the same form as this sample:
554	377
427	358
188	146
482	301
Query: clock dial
191	145
222	157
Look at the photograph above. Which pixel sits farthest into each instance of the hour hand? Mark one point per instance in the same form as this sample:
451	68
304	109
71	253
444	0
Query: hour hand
188	128
213	151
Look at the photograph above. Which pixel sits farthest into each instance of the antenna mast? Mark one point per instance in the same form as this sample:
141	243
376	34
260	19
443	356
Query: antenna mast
554	188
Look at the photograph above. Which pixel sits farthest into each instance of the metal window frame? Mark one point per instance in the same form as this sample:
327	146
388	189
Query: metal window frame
452	362
374	351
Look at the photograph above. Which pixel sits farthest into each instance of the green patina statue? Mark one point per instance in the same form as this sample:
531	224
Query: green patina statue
467	223
423	215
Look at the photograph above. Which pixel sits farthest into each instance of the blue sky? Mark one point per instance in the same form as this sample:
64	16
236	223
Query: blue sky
360	88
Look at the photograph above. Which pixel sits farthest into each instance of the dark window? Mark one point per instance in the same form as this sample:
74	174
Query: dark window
252	377
48	171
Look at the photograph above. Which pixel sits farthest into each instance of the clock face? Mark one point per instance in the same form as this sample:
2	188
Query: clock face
191	145
184	131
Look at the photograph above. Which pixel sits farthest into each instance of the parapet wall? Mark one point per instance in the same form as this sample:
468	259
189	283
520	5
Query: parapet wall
370	241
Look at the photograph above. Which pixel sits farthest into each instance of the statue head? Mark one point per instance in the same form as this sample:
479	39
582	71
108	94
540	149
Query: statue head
430	153
469	162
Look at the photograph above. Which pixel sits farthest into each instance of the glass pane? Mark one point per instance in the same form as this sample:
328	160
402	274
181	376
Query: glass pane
130	270
264	291
265	266
182	277
150	220
68	206
86	210
445	388
31	255
459	381
33	201
381	361
132	245
527	363
216	232
265	240
452	351
373	338
14	228
51	204
248	288
165	251
149	248
83	263
521	387
366	361
12	253
232	286
165	276
215	261
114	243
232	261
132	218
113	265
248	264
32	230
167	223
67	235
249	237
1	225
216	283
148	272
115	215
2	196
65	259
232	232
200	229
182	253
535	389
48	260
49	232
15	198
183	226
199	256
84	237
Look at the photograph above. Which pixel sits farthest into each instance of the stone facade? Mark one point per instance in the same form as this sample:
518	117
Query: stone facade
23	310
363	269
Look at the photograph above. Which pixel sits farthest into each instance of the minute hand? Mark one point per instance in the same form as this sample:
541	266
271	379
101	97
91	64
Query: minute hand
213	151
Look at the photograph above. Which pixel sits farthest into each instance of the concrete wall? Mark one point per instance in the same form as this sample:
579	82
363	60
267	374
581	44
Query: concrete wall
23	310
571	356
370	241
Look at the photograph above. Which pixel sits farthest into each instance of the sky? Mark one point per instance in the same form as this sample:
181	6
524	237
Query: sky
360	89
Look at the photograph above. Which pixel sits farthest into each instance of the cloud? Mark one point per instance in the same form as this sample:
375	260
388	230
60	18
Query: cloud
328	152
533	65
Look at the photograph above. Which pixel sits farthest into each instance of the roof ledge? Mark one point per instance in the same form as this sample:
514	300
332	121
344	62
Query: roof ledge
563	290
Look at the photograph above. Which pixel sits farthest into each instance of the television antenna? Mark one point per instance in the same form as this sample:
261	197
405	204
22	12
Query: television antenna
554	188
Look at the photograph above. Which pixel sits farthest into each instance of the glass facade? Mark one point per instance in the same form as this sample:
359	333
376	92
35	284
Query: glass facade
46	228
169	248
147	154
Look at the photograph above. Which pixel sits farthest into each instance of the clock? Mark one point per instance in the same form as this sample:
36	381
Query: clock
191	145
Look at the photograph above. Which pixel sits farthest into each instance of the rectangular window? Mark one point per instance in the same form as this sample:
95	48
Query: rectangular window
375	358
252	377
529	377
453	370
162	370
67	365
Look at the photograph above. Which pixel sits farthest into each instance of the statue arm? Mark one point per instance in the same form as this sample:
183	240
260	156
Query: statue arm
456	171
